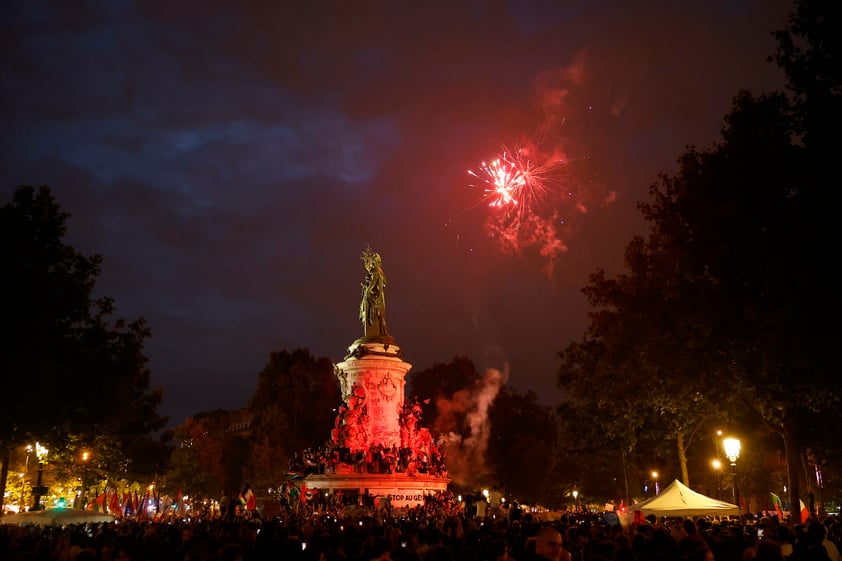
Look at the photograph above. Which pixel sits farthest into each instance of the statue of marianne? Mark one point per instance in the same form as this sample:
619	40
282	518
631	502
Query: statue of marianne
373	305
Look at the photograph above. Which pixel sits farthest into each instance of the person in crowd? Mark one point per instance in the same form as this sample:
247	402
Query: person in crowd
784	537
768	550
809	544
548	546
829	546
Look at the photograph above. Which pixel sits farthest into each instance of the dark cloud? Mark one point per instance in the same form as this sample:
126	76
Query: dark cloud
230	162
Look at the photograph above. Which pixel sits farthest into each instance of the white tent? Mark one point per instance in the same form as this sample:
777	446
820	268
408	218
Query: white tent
679	500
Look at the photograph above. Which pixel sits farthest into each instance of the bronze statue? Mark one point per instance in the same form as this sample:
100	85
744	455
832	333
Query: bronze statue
373	305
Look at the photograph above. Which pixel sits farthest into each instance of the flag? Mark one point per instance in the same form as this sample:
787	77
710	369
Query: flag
805	512
114	505
128	507
178	500
143	508
136	503
308	494
778	505
100	503
247	498
167	505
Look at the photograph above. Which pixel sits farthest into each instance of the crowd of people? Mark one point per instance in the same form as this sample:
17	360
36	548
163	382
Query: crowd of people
377	458
435	531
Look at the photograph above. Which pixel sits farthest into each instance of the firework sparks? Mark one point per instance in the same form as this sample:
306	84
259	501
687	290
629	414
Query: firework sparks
536	195
502	181
510	180
524	195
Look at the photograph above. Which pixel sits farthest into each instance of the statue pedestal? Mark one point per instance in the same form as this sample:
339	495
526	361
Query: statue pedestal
373	380
400	489
375	368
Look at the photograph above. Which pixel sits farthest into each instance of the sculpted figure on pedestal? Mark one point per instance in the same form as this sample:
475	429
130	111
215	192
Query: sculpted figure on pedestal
353	430
409	418
373	305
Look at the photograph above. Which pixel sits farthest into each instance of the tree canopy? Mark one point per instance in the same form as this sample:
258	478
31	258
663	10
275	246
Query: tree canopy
76	375
724	306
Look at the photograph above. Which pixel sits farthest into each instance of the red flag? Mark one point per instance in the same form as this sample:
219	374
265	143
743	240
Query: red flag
114	505
143	511
179	501
805	512
308	494
100	503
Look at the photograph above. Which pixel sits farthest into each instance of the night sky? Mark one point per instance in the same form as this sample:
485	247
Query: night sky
231	163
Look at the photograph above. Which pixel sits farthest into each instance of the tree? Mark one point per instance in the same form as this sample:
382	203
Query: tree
196	464
641	366
304	390
523	448
74	369
742	237
809	50
741	208
268	460
439	384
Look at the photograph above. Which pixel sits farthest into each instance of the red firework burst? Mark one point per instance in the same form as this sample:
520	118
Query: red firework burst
510	180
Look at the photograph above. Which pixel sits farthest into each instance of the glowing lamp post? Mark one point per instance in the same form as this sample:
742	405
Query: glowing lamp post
657	483
717	468
576	499
86	458
732	451
39	490
23	477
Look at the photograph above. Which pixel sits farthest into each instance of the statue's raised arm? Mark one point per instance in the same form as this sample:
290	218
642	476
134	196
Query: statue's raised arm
373	305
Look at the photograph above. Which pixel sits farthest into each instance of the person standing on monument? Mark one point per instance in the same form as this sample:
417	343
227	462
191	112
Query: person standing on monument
373	305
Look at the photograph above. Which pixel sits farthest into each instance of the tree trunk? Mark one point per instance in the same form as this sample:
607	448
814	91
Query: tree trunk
792	466
4	474
682	457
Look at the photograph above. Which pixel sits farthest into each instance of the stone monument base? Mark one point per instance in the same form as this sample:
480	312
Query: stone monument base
400	489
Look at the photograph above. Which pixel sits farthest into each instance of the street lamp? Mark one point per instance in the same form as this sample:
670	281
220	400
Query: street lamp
717	466
86	456
39	490
23	477
732	452
657	484
576	499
